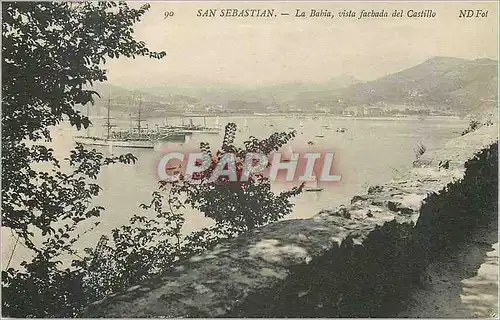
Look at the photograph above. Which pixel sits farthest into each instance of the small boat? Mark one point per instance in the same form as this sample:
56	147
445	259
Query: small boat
317	189
310	142
313	186
313	189
328	126
319	136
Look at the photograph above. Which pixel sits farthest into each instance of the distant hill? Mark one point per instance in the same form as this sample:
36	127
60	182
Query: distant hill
307	92
265	94
126	101
439	83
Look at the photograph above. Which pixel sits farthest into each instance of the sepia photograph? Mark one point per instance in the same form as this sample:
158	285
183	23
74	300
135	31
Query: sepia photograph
250	159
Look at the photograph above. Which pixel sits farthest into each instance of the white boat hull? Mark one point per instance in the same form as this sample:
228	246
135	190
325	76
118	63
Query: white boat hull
173	137
187	130
313	189
204	131
131	143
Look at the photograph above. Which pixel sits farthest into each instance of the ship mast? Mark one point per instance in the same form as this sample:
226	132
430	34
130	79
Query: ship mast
88	114
139	120
109	113
108	124
139	117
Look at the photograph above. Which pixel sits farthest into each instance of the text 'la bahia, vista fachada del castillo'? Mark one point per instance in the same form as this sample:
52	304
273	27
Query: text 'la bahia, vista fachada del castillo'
364	14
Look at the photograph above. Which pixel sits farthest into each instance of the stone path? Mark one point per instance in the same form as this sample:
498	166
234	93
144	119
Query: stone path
463	284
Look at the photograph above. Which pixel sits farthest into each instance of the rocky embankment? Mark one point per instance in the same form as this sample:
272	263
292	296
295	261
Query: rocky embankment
355	260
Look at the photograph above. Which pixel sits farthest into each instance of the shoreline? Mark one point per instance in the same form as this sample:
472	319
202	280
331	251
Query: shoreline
286	116
384	240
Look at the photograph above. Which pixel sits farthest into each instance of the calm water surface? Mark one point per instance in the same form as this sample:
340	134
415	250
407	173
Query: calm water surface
372	151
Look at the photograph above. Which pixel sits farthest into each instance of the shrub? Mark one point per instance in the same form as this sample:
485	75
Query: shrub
149	247
419	150
52	52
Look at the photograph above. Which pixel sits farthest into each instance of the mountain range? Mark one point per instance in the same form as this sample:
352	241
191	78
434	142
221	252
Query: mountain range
440	83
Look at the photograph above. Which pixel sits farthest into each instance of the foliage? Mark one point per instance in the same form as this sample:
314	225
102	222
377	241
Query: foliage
148	247
347	281
52	51
475	124
448	217
138	251
376	278
238	206
419	150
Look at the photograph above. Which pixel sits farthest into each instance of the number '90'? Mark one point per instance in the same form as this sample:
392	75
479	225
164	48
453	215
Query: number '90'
168	14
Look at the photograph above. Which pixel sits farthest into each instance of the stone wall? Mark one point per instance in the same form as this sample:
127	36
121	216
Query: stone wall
356	260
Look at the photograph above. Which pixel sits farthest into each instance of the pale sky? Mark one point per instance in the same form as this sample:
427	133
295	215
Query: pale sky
263	51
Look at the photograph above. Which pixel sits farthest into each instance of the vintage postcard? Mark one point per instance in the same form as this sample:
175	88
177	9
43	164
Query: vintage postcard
265	159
